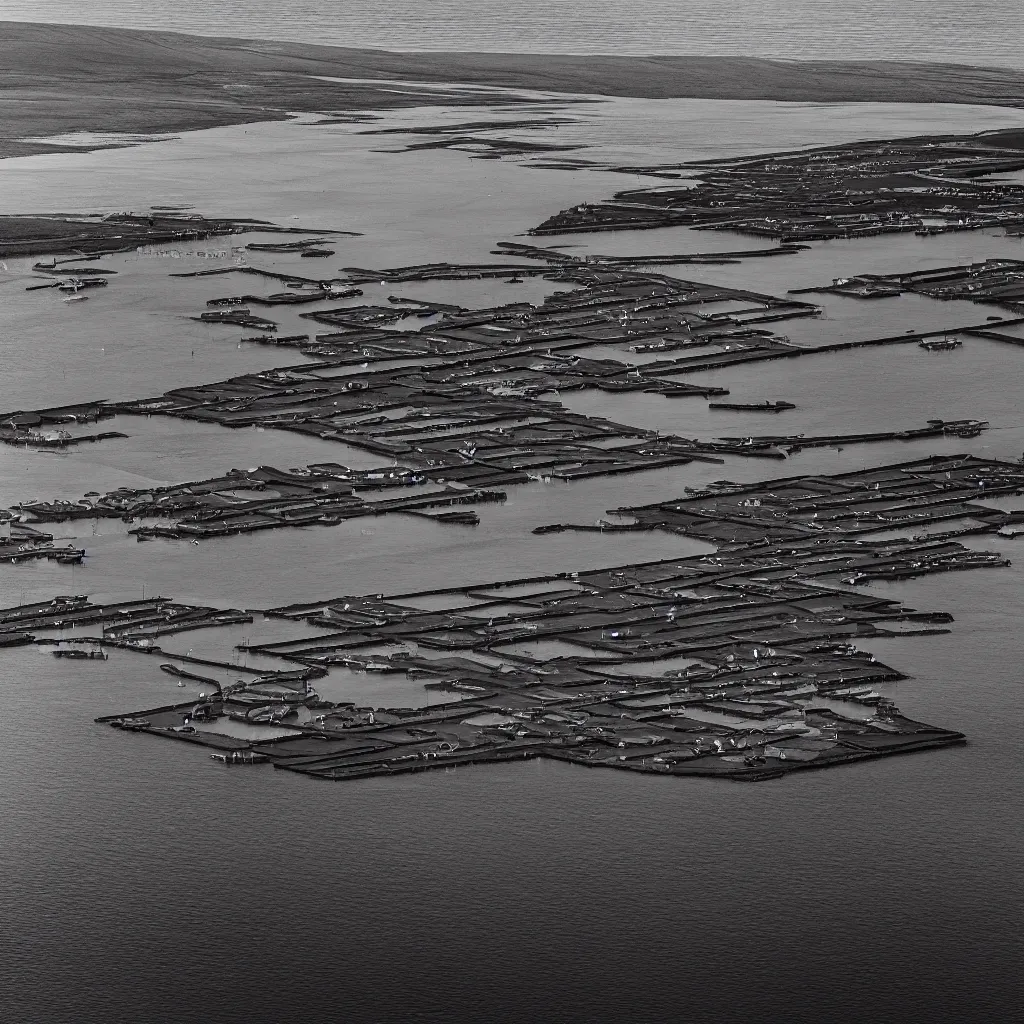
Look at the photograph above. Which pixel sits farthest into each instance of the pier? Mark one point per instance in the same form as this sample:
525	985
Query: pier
926	185
741	664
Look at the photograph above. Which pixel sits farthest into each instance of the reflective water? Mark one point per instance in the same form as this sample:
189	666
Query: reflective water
985	32
145	882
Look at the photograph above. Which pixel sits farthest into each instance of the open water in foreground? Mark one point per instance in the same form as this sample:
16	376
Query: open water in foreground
144	883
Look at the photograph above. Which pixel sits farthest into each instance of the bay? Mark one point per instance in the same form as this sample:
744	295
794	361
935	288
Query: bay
145	883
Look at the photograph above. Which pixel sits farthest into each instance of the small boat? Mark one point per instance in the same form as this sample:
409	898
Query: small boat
75	298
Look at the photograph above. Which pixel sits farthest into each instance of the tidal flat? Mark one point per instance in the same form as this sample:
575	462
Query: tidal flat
138	341
356	466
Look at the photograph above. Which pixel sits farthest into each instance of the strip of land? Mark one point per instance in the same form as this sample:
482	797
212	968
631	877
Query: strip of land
56	79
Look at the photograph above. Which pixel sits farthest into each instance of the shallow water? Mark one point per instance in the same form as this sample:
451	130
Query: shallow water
146	882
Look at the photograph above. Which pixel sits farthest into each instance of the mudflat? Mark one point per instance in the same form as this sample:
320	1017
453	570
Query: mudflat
56	79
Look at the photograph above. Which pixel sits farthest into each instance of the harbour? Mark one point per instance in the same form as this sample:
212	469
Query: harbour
853	857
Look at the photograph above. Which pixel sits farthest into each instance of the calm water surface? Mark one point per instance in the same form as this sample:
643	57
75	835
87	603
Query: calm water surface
984	32
146	883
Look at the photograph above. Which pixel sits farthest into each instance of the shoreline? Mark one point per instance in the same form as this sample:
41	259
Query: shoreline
72	78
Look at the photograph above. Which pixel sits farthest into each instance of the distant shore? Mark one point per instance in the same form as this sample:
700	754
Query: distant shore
58	79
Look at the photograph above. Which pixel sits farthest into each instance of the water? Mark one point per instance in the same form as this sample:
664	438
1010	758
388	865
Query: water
144	882
987	32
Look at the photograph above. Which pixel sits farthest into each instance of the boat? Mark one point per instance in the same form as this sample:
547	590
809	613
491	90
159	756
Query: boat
960	428
240	757
752	406
72	652
943	344
76	284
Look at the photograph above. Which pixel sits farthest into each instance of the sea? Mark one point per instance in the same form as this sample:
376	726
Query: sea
983	32
143	882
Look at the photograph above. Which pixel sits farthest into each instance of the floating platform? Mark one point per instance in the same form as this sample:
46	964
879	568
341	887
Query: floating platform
925	185
741	664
